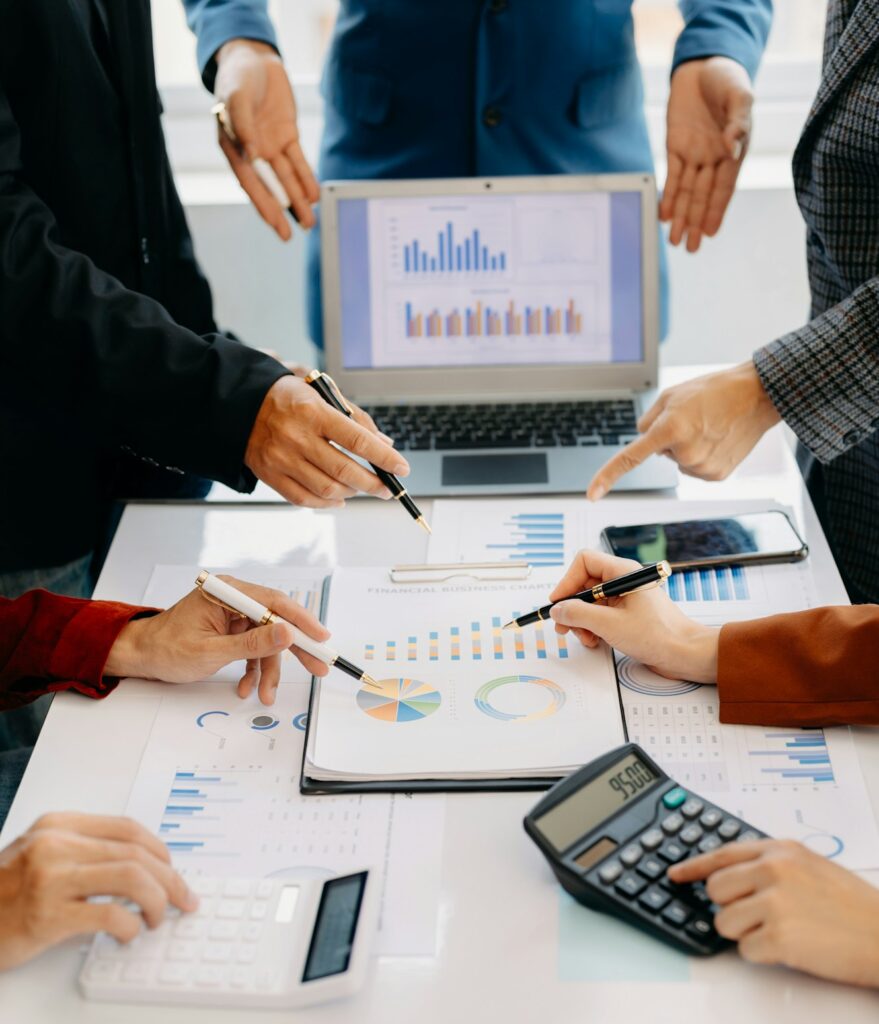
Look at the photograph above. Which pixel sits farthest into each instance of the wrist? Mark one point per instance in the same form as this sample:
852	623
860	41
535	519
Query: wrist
234	46
127	655
763	408
695	653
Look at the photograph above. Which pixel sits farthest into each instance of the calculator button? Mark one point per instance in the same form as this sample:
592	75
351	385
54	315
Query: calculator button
258	911
711	818
654	899
138	970
104	970
692	808
651	867
729	829
630	885
691	834
189	928
208	976
672	851
610	872
673	823
251	931
701	929
264	889
231	909
709	843
224	929
650	840
242	977
674	797
174	974
149	944
217	953
246	954
676	913
203	886
747	836
265	977
181	950
236	887
631	855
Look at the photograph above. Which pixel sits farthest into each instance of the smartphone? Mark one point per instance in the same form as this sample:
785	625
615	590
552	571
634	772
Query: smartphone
753	538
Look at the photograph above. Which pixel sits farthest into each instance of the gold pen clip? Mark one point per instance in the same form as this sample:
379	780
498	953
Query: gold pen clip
203	575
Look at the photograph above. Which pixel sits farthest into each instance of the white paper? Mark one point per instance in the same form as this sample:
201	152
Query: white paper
541	531
169	583
474	699
219	782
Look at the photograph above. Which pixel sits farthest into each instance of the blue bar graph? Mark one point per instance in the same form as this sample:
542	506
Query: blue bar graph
197	805
709	585
451	255
793	757
538	538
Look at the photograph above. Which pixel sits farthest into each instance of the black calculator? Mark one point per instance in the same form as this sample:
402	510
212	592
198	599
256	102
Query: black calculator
611	830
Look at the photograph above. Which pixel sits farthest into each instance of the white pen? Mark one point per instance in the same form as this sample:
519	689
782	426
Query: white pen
235	600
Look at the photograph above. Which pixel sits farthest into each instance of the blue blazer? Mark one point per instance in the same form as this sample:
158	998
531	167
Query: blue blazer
454	88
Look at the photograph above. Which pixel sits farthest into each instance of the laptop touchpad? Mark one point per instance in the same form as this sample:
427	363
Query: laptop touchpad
484	470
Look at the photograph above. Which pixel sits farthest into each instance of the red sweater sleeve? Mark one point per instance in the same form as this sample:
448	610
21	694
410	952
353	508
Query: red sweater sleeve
819	667
50	643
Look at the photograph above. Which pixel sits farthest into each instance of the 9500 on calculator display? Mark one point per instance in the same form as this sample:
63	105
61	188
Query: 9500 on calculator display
611	830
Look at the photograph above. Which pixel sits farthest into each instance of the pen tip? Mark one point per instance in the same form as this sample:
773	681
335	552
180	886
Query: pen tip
422	522
367	678
509	625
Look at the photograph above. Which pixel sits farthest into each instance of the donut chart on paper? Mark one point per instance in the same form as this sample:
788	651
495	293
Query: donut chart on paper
639	679
399	700
554	694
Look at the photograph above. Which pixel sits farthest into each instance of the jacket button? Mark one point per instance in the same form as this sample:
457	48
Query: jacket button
498	6
491	117
852	437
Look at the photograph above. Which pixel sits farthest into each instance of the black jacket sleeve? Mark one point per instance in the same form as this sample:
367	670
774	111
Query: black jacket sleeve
73	335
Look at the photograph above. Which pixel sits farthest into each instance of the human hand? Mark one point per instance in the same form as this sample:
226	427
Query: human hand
708	127
261	111
646	625
50	873
707	425
784	904
196	637
290	449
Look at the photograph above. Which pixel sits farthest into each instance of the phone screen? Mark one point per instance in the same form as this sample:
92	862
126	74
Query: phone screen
750	534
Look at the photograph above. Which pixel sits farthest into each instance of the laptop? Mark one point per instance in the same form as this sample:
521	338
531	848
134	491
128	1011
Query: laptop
504	331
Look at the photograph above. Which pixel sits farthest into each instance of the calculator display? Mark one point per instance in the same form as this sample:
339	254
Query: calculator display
334	928
601	797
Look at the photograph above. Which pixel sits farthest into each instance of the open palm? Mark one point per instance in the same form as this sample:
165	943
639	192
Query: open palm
708	129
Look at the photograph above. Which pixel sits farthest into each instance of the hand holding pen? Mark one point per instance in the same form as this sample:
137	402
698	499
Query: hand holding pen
640	577
246	602
326	387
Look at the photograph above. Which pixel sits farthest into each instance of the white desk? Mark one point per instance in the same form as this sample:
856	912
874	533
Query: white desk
499	921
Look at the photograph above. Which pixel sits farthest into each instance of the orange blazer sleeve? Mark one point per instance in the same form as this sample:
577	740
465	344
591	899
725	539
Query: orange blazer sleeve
819	667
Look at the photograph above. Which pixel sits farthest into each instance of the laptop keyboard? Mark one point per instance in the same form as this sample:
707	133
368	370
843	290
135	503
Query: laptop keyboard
507	425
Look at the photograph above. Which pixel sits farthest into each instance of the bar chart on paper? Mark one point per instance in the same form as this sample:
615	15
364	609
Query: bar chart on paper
478	640
544	534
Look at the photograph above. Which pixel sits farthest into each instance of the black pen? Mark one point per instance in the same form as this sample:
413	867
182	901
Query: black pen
647	576
326	387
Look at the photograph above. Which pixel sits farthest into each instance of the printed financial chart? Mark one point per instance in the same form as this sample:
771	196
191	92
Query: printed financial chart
490	279
544	534
505	697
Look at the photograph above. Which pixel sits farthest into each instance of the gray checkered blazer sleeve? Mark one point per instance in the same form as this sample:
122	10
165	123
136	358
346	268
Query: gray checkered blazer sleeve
824	378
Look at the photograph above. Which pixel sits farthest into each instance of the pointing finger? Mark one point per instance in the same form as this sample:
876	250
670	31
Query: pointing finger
625	461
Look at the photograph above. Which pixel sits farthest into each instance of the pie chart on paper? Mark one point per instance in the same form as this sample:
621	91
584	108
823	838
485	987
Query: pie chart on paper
399	700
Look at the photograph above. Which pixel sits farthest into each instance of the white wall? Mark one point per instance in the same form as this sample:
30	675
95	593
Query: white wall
744	288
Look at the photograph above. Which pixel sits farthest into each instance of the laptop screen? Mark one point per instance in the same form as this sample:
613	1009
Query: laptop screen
490	280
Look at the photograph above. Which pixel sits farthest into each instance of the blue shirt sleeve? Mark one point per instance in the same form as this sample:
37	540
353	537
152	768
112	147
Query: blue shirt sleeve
724	28
215	22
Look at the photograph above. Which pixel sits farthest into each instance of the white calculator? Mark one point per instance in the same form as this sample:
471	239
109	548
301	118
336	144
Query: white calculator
276	943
